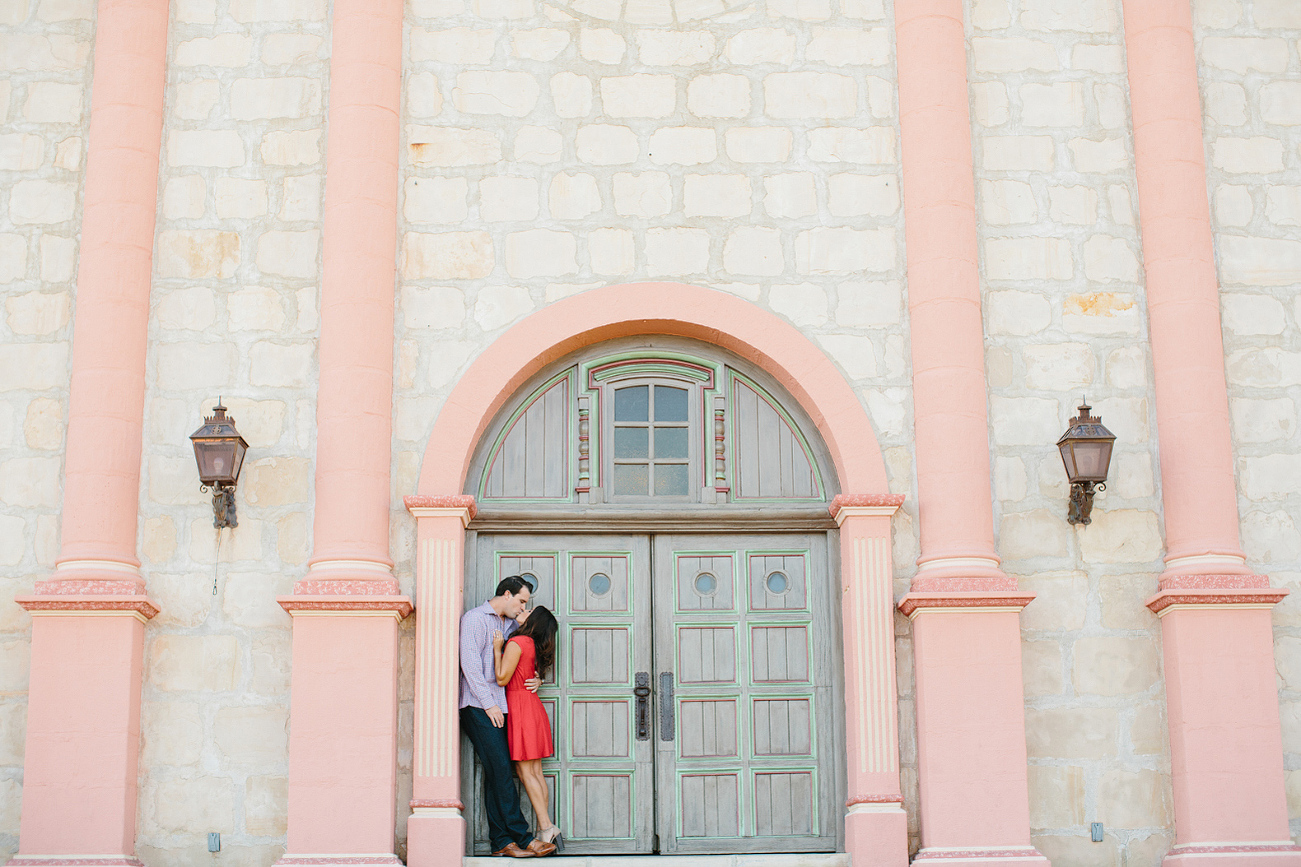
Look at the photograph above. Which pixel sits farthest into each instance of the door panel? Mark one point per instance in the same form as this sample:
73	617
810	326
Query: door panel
742	621
599	589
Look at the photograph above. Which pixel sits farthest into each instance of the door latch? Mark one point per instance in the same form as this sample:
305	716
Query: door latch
666	706
642	690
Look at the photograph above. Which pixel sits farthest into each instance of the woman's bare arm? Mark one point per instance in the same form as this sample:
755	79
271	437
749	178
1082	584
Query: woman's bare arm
505	660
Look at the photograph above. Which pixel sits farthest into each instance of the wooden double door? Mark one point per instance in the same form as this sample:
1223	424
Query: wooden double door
695	692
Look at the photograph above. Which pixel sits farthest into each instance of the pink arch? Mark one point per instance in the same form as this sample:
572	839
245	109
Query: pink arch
654	308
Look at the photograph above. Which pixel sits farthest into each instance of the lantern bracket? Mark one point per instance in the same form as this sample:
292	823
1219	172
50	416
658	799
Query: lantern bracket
1080	510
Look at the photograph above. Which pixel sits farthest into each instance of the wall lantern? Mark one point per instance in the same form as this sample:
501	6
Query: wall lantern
219	452
1086	452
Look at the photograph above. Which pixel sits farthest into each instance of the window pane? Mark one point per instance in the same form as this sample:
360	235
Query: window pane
670	403
631	479
632	442
632	403
670	442
670	480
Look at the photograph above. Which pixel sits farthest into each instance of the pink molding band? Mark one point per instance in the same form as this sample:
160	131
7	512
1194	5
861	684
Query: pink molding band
1214	582
42	861
1192	407
437	804
400	605
455	501
654	308
140	604
1166	598
841	501
915	601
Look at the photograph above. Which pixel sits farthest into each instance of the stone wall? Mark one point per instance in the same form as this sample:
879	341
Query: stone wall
1251	91
45	72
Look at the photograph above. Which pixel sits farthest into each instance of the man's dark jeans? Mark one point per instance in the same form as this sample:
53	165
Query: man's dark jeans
500	797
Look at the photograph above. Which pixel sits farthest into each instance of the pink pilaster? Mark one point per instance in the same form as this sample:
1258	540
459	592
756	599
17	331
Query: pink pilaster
970	730
436	829
876	827
343	727
1226	752
83	716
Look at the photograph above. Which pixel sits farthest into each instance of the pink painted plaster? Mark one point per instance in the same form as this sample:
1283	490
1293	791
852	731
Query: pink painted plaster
354	406
1192	407
841	501
83	735
946	332
343	733
101	468
653	308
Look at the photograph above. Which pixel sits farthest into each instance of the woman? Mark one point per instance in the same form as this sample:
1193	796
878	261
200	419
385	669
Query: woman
529	652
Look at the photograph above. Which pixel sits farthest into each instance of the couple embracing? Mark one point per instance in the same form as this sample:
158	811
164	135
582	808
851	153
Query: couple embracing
506	649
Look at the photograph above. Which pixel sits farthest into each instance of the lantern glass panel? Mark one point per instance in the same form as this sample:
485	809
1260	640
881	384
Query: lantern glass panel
1091	460
216	460
1068	458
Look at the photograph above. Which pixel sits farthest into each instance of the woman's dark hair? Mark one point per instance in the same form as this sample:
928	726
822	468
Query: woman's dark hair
542	627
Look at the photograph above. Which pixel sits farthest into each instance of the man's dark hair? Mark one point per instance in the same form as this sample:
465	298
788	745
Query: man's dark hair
513	585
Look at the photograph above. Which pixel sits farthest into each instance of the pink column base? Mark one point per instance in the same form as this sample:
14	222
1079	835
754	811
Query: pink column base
343	730
1281	855
339	860
435	839
876	835
991	857
71	861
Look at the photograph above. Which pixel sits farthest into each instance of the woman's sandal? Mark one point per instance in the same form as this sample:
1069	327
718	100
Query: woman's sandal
557	838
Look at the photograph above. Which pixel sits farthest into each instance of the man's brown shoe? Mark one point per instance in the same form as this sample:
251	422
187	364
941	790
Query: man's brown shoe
541	848
512	850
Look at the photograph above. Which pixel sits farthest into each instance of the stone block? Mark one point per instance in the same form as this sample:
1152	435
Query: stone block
543	44
1058	366
254	11
1127	367
435	200
171	733
497	306
292	538
197	254
852	195
1270	537
1226	103
1106	59
58	258
855	354
648	194
447	255
571	94
496	92
804	304
989	104
1017	153
182	805
573	197
42	202
447	359
195	100
1270	477
761	45
535	144
1076	206
1009	479
158	539
1056	796
1016	313
1041	668
601	45
719	95
716	196
66	10
217	148
249	600
53	102
1121	536
1259	420
610	145
1028	535
289	254
821	95
1013	55
184	198
827	250
38	313
869	304
1078	850
674	48
1251	314
1259	261
20	152
1022	421
790	195
508	199
33	365
237	198
456	47
1060	104
281	365
192	309
266	806
758	144
1243	54
270	98
224	50
255	309
25	52
870	145
1108	155
1028	259
1282	14
432	307
277	481
423	97
1282	205
290	49
1101	313
13	731
448	146
13	540
1061	598
672	252
1088	16
612	251
1147	730
1115	665
1005	203
754	250
1254	155
191	366
1134	799
43	425
188	663
297	148
540	253
801	10
836	46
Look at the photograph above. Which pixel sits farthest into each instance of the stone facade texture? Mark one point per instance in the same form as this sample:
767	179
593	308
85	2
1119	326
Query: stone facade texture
550	148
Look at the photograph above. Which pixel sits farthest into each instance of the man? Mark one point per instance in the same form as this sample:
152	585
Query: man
483	718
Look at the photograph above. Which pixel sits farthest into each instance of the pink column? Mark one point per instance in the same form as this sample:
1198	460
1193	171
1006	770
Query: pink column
876	827
343	710
970	730
1221	701
436	829
83	718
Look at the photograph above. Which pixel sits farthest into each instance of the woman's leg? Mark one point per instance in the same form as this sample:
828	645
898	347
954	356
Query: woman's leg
535	784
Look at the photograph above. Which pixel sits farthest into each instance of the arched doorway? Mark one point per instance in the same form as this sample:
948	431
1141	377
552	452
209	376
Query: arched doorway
702	577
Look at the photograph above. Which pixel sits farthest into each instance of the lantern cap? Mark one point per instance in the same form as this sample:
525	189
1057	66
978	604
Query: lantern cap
218	426
1086	426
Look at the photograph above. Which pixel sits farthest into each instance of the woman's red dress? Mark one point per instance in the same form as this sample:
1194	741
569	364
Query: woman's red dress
528	731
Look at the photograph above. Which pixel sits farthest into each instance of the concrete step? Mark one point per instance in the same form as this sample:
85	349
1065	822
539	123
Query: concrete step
795	859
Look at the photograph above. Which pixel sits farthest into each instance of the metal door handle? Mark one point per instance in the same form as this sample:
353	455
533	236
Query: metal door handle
642	690
666	706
